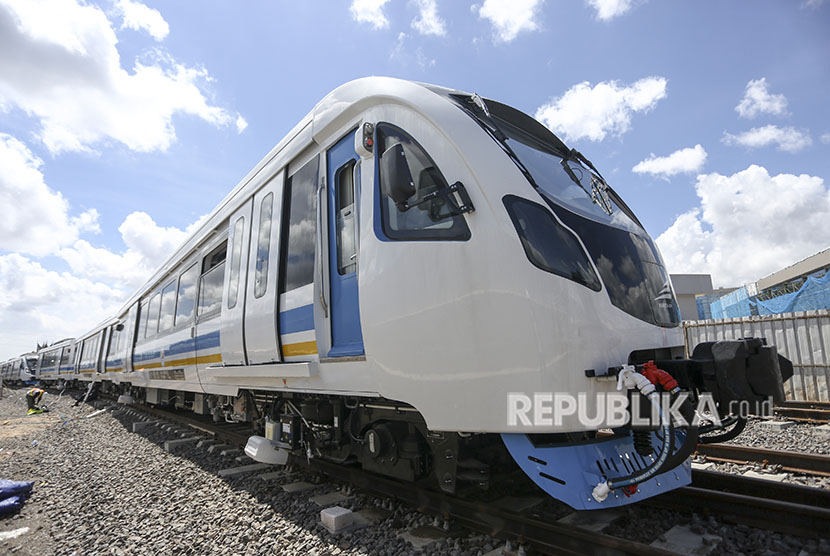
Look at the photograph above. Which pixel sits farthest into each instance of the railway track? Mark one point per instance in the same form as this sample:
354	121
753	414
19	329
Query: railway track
791	462
811	412
780	507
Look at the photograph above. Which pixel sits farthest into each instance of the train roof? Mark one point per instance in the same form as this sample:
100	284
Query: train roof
334	110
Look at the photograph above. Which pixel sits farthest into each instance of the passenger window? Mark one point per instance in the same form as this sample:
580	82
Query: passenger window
168	306
428	221
548	244
299	228
142	316
115	337
153	315
212	281
236	262
344	198
187	295
263	245
67	351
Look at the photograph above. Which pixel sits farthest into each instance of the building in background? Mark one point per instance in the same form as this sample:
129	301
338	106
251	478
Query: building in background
687	288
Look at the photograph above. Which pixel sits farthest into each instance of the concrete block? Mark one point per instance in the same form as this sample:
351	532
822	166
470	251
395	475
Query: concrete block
235	471
823	430
592	520
216	448
329	499
230	452
297	487
420	537
776	425
682	540
336	519
243	459
702	466
171	445
207	443
777	477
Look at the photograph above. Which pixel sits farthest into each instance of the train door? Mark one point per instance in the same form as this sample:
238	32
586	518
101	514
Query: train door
233	312
261	334
343	169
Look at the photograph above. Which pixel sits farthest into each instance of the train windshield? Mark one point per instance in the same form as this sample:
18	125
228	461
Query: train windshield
624	254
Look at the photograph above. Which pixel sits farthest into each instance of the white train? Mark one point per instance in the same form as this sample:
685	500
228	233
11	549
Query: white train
19	370
380	283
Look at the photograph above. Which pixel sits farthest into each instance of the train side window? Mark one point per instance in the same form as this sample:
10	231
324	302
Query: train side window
65	360
236	262
168	306
263	245
142	319
153	315
187	295
115	339
428	221
344	199
299	230
549	245
212	281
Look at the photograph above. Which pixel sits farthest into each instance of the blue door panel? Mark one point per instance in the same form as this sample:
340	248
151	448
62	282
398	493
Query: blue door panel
346	335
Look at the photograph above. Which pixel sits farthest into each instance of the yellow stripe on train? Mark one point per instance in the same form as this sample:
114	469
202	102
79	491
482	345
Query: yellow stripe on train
300	348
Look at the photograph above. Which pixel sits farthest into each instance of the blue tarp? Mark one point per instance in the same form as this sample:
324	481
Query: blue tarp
813	294
13	494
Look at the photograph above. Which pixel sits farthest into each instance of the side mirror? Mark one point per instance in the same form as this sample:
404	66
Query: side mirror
395	175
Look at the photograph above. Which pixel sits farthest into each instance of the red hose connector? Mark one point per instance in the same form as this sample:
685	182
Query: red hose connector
658	376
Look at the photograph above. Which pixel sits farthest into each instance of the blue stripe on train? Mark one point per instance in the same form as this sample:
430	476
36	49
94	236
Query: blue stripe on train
205	341
297	320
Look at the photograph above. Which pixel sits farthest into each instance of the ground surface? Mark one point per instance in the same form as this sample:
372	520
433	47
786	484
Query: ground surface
101	489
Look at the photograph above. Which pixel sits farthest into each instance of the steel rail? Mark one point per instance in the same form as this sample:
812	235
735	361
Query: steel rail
804	414
792	462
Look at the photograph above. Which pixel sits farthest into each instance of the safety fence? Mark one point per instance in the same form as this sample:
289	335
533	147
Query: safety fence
813	294
802	337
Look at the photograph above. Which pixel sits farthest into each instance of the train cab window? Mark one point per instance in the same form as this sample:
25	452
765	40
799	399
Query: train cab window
549	245
212	281
236	262
115	340
299	228
263	245
153	315
187	295
428	221
168	307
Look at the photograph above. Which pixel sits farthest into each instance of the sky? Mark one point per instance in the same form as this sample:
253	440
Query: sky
123	122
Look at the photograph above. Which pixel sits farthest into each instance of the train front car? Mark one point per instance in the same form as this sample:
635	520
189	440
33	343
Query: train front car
506	288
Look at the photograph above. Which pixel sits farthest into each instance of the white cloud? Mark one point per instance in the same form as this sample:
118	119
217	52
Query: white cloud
609	9
138	16
59	63
405	55
813	3
37	304
586	112
758	100
825	138
684	161
241	123
510	17
428	21
33	218
787	139
148	246
748	225
370	11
